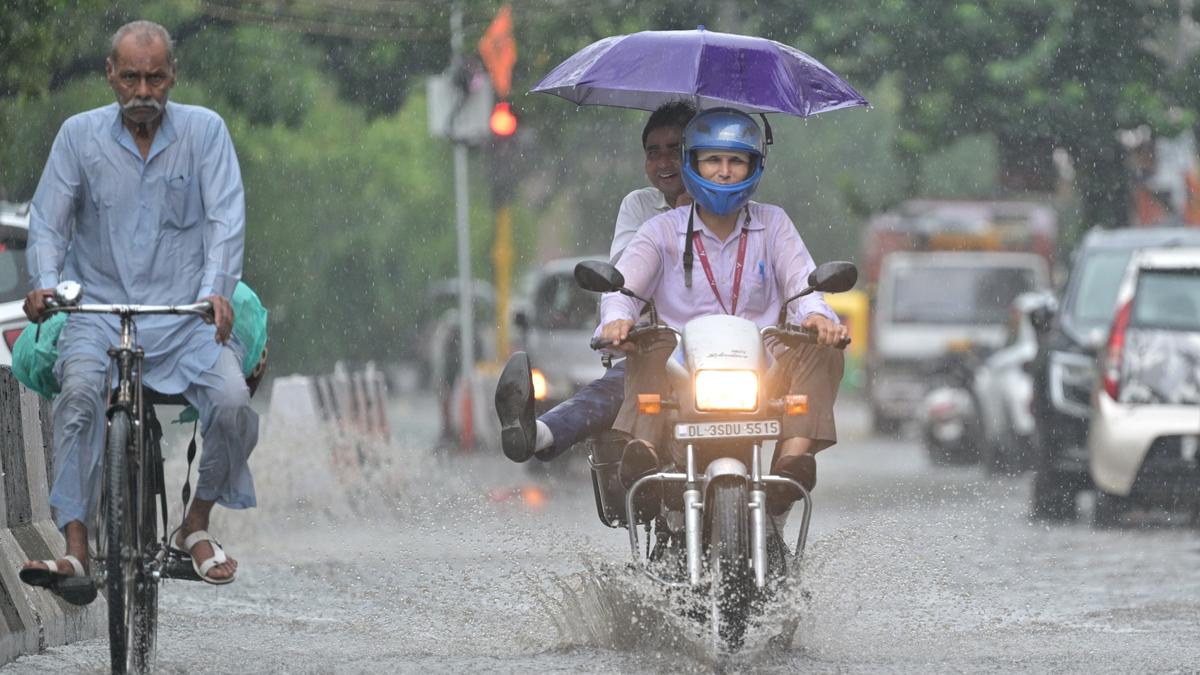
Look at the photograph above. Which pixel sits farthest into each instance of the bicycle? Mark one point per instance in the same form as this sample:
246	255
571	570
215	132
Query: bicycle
130	555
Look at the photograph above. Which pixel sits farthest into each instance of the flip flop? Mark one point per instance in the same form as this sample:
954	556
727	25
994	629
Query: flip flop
74	586
218	557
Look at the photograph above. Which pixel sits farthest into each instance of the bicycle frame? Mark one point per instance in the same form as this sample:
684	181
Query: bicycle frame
127	541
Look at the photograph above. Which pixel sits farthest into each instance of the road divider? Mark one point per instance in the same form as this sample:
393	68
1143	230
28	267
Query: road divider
31	619
345	410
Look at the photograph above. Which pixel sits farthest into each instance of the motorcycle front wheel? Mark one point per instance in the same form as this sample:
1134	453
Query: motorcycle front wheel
731	579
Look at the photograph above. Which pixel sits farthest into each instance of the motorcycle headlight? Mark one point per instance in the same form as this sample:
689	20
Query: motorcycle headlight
540	388
726	390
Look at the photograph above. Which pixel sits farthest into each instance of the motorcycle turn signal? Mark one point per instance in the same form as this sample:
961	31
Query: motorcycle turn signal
792	404
653	404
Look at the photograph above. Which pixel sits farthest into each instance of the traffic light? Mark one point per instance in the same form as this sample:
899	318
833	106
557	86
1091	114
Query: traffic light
503	121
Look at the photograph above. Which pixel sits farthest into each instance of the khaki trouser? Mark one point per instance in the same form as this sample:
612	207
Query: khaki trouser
812	370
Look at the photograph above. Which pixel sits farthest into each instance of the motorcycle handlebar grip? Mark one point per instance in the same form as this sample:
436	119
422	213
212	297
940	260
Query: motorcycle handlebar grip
600	343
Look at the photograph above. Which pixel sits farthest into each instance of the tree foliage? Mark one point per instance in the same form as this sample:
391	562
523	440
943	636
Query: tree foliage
349	201
1037	75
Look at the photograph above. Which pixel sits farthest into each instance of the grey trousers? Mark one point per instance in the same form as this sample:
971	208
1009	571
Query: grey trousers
228	425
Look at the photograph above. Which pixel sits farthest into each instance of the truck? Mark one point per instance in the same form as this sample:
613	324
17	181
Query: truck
941	273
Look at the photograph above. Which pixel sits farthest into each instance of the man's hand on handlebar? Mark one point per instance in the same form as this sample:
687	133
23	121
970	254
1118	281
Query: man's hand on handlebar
825	331
616	332
35	302
222	316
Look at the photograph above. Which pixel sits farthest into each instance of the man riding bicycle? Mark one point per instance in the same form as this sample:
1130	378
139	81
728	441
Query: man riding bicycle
141	202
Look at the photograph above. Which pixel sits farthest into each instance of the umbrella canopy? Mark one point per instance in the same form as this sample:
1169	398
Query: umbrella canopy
754	75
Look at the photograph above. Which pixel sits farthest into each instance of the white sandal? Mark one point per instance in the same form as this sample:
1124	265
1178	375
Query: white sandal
217	558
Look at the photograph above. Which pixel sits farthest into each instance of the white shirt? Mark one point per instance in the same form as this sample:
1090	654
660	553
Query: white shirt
637	207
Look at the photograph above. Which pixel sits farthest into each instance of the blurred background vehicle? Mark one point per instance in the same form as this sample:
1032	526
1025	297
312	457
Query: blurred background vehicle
555	322
1003	387
941	272
1145	427
1064	372
949	413
925	302
14	279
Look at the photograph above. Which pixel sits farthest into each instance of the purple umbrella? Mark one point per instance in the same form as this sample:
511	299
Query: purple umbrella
645	70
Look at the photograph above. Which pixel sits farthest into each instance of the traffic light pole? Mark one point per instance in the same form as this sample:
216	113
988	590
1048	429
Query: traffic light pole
466	313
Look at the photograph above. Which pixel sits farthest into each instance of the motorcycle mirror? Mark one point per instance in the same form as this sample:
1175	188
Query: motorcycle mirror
837	276
598	277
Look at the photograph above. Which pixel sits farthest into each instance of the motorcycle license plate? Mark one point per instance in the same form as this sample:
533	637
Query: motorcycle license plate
748	429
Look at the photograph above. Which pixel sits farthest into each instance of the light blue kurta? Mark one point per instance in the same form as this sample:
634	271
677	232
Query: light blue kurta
168	230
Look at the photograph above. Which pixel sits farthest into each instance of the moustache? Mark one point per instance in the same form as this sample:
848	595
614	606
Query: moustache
141	103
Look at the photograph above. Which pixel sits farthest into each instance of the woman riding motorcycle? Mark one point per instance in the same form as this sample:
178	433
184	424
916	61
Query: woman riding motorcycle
751	259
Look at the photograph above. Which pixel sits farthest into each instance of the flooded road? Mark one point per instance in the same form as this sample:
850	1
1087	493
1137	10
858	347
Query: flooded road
418	561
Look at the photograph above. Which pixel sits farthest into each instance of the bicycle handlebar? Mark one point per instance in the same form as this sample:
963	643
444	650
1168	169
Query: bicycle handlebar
201	309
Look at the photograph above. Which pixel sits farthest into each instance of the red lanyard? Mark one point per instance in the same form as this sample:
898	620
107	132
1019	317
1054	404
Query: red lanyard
737	270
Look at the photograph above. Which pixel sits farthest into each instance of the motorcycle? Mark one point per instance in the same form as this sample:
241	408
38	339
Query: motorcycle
719	405
950	417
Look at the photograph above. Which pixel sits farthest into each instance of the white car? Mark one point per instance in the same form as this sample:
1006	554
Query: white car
1003	386
14	277
1142	442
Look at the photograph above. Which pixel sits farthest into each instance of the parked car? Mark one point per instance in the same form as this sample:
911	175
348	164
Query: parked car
1145	425
1003	387
14	276
555	324
1064	372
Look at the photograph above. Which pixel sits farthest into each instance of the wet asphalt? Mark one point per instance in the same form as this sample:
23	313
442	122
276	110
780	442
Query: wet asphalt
397	557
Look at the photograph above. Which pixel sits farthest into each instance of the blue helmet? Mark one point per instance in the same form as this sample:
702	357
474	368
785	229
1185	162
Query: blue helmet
722	129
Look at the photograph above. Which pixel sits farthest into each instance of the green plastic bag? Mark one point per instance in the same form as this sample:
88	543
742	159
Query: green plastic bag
33	359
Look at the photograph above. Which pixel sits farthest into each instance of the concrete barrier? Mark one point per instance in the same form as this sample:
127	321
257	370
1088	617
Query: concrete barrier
347	410
31	620
354	402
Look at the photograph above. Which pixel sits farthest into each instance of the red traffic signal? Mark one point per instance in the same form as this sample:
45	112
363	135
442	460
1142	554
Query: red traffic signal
503	122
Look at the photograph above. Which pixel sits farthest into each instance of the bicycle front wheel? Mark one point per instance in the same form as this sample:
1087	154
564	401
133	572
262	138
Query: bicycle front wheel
117	539
142	598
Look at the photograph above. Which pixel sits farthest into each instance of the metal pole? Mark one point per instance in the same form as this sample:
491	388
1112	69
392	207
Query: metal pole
466	314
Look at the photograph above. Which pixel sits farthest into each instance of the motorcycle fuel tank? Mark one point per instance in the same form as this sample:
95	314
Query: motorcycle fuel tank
722	342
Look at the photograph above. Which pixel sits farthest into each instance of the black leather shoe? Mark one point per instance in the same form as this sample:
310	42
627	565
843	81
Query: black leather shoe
639	459
514	406
800	468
